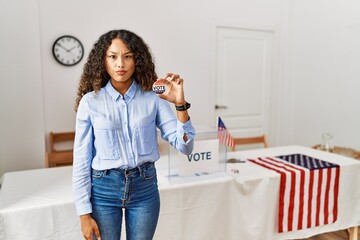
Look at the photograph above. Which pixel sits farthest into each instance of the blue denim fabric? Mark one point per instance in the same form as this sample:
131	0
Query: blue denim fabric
134	190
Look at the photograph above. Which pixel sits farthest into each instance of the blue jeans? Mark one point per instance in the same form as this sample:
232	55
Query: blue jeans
134	190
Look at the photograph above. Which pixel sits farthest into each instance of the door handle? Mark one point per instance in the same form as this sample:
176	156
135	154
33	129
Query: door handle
220	107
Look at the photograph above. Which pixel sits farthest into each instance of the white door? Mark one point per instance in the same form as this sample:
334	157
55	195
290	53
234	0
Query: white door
243	79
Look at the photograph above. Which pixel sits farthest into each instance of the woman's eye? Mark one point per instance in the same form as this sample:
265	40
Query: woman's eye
112	56
129	56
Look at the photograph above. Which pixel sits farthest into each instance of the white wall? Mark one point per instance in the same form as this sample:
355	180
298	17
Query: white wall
317	57
178	32
21	94
325	73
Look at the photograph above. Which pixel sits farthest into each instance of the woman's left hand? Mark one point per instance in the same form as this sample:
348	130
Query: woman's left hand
175	90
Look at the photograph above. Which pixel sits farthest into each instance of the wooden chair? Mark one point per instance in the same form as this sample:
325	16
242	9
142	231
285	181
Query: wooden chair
60	157
251	140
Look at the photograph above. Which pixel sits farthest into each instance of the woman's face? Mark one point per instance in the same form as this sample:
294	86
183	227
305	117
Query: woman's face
119	62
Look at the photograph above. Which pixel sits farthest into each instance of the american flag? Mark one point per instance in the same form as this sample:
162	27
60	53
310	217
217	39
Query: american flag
309	187
223	134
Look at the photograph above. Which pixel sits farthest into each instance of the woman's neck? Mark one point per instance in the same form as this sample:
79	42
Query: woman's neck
121	87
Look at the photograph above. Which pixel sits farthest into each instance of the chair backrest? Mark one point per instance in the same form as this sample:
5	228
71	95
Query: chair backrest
60	138
250	140
60	149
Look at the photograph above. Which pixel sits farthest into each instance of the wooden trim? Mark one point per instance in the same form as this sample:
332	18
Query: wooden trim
251	140
55	158
63	158
353	233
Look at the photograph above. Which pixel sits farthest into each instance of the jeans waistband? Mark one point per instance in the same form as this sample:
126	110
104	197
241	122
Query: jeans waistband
139	169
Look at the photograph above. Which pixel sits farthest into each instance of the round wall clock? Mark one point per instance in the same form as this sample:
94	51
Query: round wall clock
68	50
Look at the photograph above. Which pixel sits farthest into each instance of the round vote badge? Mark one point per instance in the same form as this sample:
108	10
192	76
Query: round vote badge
159	87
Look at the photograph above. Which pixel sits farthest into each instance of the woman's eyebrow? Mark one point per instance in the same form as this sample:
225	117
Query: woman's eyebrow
112	52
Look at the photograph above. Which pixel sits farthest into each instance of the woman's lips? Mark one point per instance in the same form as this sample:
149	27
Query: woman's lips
121	72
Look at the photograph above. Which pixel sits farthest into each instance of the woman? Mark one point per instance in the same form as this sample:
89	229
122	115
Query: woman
115	143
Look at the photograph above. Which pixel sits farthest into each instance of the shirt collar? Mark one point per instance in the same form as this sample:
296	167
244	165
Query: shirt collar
130	93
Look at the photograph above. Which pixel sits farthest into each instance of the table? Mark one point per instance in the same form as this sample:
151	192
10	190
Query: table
37	204
349	193
345	151
348	152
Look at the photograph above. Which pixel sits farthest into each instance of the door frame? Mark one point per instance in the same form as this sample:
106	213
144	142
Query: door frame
272	137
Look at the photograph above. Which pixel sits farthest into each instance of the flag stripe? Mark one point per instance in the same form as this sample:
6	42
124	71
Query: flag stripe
318	198
308	190
336	192
331	195
326	207
301	200
223	135
291	202
285	217
292	193
281	195
311	184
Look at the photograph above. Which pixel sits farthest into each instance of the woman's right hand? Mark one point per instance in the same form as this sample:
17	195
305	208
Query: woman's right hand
89	227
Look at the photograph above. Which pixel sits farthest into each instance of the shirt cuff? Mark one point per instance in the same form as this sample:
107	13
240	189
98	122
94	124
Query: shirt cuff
85	209
184	128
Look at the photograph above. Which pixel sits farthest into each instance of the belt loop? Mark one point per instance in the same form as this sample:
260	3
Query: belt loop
140	170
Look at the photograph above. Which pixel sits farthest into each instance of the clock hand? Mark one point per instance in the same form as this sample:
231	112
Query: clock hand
63	47
71	49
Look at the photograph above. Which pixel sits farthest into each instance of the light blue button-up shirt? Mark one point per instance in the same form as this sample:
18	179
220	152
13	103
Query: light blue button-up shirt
114	131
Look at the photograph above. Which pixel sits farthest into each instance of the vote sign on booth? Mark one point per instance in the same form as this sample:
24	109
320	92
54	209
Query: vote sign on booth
203	160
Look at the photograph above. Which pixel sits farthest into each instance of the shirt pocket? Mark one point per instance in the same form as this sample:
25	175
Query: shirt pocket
146	136
106	141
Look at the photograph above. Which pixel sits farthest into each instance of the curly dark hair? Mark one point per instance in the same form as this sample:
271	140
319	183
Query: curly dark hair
95	76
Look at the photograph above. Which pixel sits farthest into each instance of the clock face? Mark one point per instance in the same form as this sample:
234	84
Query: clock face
68	50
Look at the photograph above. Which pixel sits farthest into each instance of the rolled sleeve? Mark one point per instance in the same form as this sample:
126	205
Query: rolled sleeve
185	128
172	130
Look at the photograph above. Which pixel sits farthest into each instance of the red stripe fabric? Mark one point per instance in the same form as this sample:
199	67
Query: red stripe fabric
301	200
311	185
307	197
326	204
336	192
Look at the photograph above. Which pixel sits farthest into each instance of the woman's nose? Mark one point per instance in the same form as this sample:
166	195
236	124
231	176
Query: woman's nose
120	62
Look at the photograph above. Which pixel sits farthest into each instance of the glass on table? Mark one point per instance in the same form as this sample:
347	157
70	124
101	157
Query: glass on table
326	142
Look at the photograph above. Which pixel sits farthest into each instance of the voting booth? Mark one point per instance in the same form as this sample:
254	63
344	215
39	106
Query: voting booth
208	159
